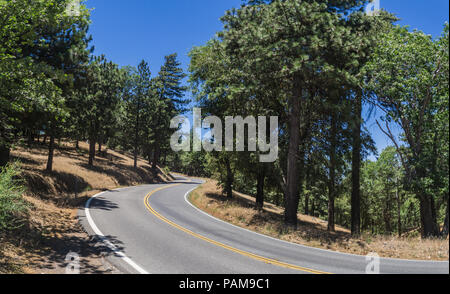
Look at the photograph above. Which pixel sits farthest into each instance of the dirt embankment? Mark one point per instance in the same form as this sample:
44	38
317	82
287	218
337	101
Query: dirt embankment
51	229
311	231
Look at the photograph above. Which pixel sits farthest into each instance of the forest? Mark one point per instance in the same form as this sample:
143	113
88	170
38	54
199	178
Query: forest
323	67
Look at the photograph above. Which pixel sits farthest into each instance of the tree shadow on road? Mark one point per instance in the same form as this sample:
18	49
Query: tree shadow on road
102	204
47	252
309	228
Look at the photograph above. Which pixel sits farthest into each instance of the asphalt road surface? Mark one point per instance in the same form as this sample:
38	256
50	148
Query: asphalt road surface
153	229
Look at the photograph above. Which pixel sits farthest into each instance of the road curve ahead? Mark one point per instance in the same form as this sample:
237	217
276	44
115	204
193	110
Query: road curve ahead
153	229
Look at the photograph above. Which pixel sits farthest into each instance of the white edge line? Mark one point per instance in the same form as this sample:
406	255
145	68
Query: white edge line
299	245
105	240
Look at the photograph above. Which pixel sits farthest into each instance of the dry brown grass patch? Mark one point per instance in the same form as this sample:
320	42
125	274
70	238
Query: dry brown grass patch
311	231
52	229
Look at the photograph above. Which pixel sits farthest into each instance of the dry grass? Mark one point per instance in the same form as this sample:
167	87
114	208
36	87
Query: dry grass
311	231
52	229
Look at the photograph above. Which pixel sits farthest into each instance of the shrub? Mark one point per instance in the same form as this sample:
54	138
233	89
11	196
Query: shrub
12	204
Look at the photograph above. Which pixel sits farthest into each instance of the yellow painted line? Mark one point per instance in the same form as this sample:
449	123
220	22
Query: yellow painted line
245	253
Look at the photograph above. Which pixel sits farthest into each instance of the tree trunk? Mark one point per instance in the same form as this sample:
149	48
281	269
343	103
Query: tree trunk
77	145
260	188
332	180
99	147
301	170
91	151
399	216
292	181
164	158
30	138
230	179
427	210
51	147
136	135
306	204
445	229
135	156
331	200
156	155
387	215
4	155
356	170
429	225
308	188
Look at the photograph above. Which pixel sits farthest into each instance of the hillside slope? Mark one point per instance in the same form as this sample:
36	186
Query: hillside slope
51	229
312	231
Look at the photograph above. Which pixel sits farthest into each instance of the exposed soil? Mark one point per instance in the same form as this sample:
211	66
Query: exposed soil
51	230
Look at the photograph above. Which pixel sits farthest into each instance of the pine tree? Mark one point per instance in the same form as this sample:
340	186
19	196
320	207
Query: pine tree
170	102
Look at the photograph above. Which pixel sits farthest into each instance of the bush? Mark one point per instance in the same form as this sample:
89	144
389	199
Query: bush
12	204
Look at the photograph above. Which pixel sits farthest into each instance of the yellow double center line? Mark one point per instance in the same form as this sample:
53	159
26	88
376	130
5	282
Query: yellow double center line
245	253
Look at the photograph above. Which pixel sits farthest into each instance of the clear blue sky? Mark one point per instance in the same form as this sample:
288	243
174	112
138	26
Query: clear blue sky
129	31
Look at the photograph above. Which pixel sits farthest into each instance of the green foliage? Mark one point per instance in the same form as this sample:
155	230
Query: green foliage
12	205
41	49
169	103
312	63
308	64
195	164
384	195
409	76
146	108
276	56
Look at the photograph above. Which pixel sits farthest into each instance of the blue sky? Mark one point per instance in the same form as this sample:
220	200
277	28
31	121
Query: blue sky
129	31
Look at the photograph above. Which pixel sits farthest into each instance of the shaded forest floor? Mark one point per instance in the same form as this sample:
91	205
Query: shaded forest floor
51	230
311	231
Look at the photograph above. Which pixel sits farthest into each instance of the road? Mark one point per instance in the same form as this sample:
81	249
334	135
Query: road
153	229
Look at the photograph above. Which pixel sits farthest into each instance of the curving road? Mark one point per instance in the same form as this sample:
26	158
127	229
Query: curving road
153	229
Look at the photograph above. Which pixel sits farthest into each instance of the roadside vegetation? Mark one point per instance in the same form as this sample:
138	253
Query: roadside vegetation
56	95
326	69
39	209
12	205
53	87
76	123
312	231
